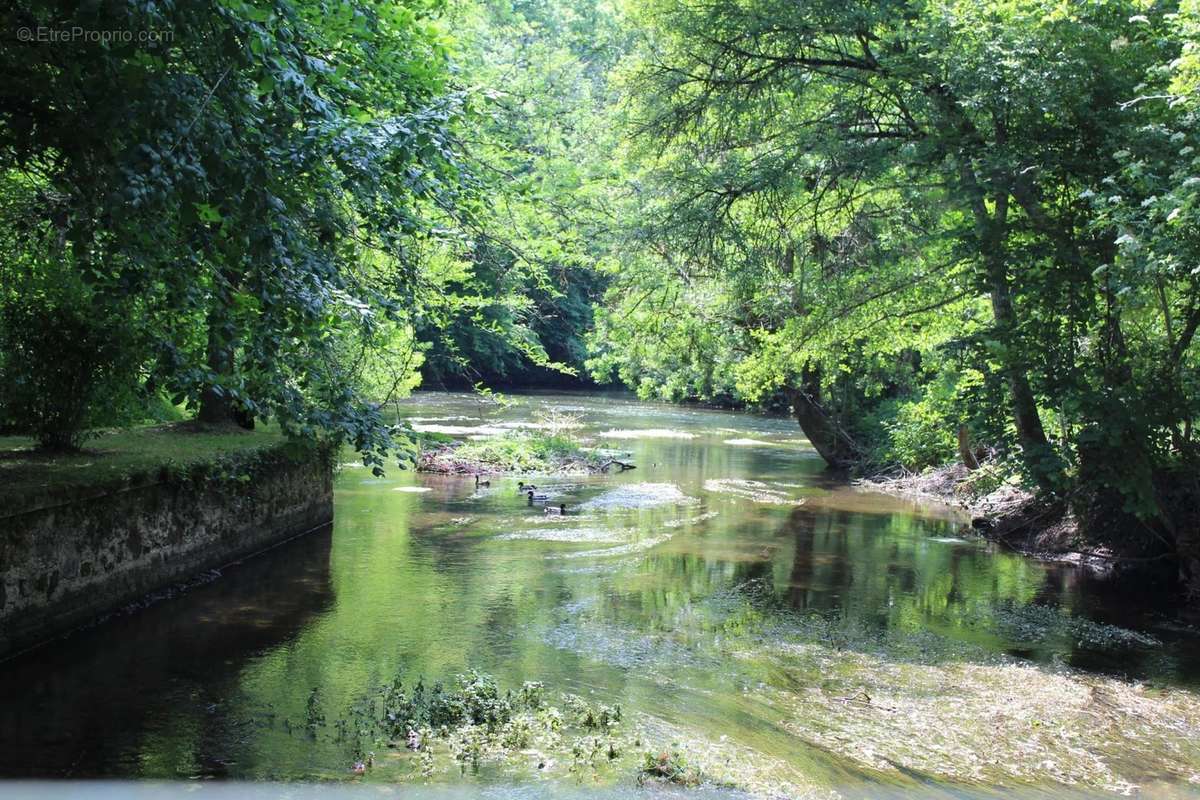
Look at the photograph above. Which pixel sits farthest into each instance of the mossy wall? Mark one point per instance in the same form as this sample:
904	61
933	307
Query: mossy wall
62	564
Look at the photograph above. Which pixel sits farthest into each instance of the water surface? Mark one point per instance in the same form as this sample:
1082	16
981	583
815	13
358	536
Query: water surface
795	636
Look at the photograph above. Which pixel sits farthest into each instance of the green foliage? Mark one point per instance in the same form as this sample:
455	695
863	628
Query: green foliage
901	217
474	699
63	360
821	190
917	427
917	435
475	720
544	146
280	187
518	451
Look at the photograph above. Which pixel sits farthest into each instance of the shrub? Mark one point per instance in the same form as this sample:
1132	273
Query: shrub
62	362
919	430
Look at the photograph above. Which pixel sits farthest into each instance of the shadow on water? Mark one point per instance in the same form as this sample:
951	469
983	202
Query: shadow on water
82	707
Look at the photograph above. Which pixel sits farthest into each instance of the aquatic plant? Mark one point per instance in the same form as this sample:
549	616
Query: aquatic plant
670	766
474	721
517	451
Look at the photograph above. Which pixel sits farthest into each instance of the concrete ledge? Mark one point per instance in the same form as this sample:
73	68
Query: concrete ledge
65	565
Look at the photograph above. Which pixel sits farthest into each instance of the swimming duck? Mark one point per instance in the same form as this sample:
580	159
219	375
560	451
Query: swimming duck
479	483
559	509
533	497
522	486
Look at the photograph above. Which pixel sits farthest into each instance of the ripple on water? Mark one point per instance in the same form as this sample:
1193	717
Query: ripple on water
624	647
757	491
460	430
677	523
620	550
640	495
646	433
569	535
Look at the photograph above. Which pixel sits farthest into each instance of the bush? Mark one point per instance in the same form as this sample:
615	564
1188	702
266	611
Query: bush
917	431
62	362
920	436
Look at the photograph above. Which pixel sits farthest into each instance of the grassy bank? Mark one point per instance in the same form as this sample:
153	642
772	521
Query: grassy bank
30	478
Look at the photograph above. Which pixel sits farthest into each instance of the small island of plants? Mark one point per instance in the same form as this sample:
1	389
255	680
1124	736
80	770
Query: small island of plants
549	444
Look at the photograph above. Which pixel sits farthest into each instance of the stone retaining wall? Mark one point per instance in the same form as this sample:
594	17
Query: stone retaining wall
63	565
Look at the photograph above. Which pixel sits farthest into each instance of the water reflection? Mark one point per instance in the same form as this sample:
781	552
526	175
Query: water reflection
113	699
716	592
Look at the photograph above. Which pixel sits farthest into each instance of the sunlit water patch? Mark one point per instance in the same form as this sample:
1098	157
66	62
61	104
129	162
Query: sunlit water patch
640	495
676	523
561	534
756	491
647	433
460	430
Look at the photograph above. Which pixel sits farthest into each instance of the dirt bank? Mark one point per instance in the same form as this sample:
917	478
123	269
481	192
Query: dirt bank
1007	514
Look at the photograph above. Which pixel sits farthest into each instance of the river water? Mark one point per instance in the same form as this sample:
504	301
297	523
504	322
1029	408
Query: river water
792	635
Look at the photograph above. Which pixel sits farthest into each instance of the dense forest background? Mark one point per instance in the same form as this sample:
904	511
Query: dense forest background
937	231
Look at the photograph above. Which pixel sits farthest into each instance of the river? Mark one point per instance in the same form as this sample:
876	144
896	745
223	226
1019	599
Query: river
793	635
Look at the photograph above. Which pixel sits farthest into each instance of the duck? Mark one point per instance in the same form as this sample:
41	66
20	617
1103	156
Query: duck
522	486
533	497
479	483
559	509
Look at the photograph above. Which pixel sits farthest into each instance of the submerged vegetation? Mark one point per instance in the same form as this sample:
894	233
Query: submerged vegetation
470	723
891	703
902	700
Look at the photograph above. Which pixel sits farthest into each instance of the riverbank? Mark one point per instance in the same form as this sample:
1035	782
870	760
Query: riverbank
30	478
1001	511
140	510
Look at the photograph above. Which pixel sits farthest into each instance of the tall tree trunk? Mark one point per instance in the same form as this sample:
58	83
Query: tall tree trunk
993	235
992	232
831	442
216	407
964	449
1028	422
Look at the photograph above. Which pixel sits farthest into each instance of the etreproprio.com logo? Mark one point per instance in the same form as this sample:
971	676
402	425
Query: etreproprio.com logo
75	34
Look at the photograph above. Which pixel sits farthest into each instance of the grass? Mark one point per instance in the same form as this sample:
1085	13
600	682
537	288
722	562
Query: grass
516	452
30	478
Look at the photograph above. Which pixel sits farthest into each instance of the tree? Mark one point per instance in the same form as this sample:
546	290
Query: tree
259	176
922	151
